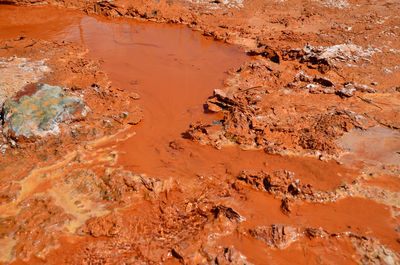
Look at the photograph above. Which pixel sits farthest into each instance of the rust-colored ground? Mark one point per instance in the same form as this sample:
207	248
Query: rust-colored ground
268	135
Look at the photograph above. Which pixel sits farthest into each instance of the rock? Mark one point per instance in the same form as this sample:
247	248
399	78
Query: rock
40	113
220	100
340	52
228	212
109	226
301	76
258	122
286	205
231	256
372	251
253	178
213	105
220	122
135	116
323	81
346	92
281	182
349	89
311	232
276	235
134	96
219	93
316	89
364	88
266	52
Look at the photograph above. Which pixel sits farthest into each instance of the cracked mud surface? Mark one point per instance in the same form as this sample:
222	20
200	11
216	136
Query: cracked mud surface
126	141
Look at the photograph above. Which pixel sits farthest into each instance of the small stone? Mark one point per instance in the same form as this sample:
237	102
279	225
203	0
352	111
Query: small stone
211	106
134	120
316	89
301	76
323	81
346	92
314	232
135	96
286	205
364	88
214	122
276	235
219	93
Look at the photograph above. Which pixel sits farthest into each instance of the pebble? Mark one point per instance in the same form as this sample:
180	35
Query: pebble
135	96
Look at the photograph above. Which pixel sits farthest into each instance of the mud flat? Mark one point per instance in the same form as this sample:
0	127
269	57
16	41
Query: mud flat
268	140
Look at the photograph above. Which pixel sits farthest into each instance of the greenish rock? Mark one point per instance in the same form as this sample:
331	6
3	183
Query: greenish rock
40	113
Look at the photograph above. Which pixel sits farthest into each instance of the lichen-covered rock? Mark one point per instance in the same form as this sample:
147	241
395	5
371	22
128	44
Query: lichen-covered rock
40	113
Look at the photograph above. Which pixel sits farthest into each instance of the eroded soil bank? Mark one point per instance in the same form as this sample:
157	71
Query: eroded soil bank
134	142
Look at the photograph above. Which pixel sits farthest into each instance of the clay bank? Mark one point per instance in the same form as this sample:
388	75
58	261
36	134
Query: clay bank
127	141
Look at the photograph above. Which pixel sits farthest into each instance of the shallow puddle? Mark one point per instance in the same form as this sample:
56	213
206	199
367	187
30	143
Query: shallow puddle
174	70
377	146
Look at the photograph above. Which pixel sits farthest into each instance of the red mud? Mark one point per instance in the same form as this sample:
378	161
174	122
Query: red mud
354	215
139	191
34	22
386	182
317	251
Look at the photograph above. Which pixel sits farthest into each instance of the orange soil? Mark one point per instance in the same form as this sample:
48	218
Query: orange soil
145	194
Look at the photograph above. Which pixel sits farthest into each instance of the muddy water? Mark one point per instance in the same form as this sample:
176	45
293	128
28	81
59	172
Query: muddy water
375	146
174	70
35	22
